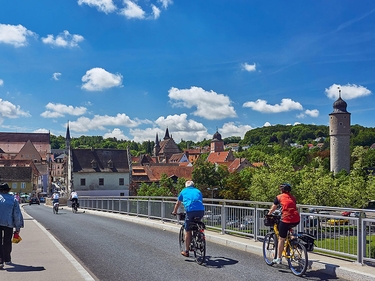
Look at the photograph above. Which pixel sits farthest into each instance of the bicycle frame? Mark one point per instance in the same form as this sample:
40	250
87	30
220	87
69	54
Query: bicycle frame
294	250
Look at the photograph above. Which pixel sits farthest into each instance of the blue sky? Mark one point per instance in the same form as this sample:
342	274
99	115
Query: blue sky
131	69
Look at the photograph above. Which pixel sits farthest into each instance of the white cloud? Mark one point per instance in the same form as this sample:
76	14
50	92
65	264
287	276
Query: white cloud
56	76
15	35
312	113
9	110
165	3
105	6
348	91
64	39
180	128
140	135
267	124
84	124
262	106
116	133
1	82
41	130
301	116
231	129
60	110
98	79
155	11
210	105
132	10
249	67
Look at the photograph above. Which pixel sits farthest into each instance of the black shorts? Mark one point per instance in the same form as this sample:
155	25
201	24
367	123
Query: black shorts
284	228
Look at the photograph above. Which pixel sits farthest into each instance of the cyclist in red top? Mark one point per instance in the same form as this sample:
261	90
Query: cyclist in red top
289	216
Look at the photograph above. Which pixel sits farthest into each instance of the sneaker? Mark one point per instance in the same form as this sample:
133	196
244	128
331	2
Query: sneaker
1	265
185	254
8	262
277	261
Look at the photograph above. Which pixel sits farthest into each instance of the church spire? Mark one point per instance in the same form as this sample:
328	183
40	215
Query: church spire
166	137
67	137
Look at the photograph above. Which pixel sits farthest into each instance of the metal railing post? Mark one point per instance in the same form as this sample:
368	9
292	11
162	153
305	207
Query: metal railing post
223	218
162	211
148	208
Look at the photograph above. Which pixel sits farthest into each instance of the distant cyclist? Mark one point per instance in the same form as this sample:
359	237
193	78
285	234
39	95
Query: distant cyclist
289	216
191	198
74	197
55	198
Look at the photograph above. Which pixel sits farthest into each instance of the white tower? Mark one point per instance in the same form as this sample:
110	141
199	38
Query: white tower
339	134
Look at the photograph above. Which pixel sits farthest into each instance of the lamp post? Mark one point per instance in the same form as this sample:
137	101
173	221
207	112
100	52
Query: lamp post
212	192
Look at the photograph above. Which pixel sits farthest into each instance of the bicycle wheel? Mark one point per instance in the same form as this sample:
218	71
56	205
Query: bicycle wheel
181	238
298	258
199	242
270	248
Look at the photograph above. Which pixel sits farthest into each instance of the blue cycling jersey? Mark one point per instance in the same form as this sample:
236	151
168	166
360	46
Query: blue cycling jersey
192	199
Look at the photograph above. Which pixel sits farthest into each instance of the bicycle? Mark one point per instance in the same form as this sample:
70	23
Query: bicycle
198	238
294	248
74	207
55	208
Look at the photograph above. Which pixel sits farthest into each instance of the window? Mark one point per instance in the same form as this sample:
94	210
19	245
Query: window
14	185
23	185
121	181
101	181
83	181
93	164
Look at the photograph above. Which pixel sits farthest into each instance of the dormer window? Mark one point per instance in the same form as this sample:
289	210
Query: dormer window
93	164
110	164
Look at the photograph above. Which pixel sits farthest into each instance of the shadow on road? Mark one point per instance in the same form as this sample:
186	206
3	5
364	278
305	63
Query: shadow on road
219	262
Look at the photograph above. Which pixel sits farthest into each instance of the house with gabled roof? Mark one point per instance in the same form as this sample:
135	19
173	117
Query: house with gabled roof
12	143
100	172
194	154
178	158
152	173
32	147
22	175
28	152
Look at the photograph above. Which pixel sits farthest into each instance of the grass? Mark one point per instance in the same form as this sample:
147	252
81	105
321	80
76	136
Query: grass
347	244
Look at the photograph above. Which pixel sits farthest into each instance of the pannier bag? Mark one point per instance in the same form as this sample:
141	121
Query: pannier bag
308	239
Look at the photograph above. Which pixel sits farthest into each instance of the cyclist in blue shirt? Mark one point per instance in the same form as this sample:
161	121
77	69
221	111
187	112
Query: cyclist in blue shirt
192	199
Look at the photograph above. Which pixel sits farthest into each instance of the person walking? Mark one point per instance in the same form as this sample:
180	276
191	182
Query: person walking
192	199
10	218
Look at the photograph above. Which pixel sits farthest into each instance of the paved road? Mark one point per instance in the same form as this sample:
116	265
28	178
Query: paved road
114	249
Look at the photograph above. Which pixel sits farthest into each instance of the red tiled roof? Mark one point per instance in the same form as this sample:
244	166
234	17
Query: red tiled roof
154	172
216	157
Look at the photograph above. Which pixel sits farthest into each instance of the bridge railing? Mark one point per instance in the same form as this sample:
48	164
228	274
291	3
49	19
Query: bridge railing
351	236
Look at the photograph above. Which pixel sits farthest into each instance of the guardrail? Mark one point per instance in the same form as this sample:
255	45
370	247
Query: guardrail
351	235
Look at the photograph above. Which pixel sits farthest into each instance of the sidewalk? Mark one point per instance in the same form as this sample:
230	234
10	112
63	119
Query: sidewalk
40	257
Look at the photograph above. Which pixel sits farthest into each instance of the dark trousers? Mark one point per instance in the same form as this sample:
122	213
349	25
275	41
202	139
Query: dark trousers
6	234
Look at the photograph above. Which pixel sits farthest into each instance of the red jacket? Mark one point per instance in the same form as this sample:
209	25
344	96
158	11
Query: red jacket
289	208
